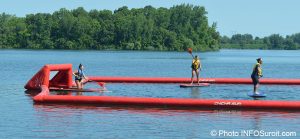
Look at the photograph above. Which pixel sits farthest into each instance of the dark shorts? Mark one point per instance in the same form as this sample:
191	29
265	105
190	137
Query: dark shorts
255	80
194	69
78	79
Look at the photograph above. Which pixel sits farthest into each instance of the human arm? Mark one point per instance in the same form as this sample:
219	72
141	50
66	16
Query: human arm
200	65
259	69
83	75
75	73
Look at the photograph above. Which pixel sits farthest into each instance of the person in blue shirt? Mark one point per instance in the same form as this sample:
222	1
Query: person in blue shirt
80	77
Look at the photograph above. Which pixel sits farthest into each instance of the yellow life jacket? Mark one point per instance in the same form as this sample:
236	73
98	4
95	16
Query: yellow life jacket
257	69
195	64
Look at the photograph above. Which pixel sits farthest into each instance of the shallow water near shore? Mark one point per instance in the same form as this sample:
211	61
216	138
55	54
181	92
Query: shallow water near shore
20	118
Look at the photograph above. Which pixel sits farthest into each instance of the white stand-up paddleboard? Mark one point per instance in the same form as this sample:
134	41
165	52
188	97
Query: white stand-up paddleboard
195	85
256	95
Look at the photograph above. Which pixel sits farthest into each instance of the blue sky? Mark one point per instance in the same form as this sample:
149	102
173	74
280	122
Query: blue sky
257	17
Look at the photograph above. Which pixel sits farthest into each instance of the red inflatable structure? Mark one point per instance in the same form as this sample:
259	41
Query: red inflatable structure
63	79
188	80
44	97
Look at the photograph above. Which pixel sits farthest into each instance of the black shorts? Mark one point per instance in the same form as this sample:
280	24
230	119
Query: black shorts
255	80
194	69
78	79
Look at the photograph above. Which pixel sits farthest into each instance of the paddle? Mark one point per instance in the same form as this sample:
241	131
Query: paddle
102	84
190	50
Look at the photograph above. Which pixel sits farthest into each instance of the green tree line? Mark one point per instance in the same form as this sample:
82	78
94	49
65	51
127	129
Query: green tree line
148	28
274	41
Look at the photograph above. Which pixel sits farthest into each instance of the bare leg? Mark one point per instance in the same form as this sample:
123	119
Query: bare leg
256	88
81	84
197	73
78	84
192	79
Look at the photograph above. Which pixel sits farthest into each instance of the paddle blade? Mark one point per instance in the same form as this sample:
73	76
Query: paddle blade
102	84
190	50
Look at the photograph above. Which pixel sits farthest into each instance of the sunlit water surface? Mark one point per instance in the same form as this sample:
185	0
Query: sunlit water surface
20	118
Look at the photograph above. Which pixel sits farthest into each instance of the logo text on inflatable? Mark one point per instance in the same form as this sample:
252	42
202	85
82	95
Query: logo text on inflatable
228	103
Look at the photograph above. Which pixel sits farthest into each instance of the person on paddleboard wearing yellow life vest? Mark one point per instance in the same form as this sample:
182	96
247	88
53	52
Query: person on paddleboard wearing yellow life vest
80	77
196	66
256	75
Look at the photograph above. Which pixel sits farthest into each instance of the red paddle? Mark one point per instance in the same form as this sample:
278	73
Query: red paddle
190	50
102	84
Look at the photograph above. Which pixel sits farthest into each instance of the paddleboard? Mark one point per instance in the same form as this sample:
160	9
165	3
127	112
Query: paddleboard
77	90
257	95
194	85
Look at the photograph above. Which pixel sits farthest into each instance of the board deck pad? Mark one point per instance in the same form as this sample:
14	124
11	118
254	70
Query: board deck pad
195	85
76	90
257	95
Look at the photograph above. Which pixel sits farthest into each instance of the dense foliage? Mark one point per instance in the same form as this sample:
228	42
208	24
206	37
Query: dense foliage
275	41
148	28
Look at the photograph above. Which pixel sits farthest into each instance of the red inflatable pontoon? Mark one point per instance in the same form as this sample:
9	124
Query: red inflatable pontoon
44	97
63	79
188	80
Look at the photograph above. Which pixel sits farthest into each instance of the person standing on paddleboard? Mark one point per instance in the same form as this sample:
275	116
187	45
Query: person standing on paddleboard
256	75
196	66
80	77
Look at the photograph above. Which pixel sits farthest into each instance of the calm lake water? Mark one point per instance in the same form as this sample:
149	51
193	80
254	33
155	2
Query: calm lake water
20	118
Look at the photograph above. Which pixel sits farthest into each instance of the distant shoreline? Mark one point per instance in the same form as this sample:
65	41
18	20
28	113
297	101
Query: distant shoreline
139	29
14	49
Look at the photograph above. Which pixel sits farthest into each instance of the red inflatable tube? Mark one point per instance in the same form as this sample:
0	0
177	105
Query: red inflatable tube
44	97
187	80
63	77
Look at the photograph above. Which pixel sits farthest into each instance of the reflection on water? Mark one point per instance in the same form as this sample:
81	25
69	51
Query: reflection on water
195	92
171	122
32	92
162	111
